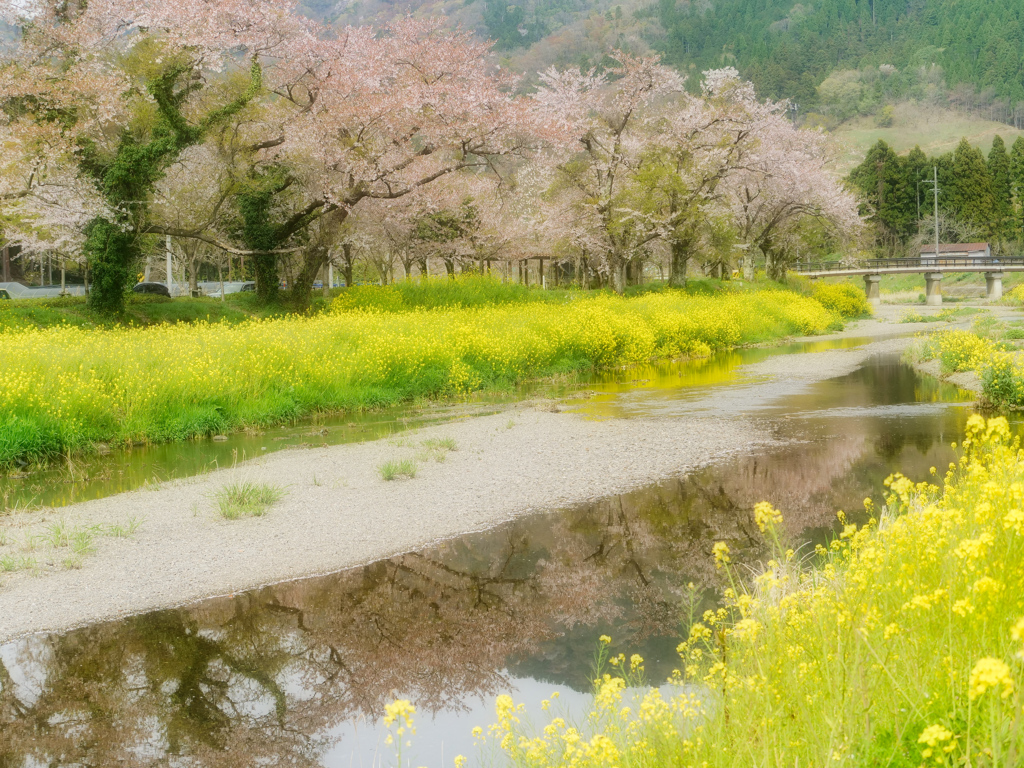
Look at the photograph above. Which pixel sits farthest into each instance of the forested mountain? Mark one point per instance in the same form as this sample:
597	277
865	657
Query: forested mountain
789	48
839	58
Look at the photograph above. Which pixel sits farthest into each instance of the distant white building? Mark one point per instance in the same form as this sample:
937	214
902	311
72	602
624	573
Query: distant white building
958	251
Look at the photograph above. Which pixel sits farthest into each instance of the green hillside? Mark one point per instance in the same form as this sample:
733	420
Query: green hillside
788	48
935	131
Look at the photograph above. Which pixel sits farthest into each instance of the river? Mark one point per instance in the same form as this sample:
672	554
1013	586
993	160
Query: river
298	673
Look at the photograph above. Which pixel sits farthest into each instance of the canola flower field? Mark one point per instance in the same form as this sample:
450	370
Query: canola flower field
67	388
902	646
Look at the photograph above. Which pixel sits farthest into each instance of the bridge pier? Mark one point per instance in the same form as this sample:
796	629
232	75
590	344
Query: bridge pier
993	285
872	289
933	289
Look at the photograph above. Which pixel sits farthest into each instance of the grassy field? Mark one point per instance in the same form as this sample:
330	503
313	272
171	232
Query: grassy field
935	130
901	645
141	310
67	387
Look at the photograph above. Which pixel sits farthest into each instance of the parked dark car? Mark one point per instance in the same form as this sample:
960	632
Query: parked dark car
159	289
248	288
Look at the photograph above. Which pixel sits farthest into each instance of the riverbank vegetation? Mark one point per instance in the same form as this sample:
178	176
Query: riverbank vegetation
66	388
902	645
140	310
990	349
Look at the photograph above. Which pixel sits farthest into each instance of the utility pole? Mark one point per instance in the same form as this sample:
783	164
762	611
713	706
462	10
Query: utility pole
934	181
170	275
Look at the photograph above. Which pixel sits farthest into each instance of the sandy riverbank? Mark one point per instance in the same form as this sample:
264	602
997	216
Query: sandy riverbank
338	512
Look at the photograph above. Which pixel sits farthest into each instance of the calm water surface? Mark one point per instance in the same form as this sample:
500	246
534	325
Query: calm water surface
298	673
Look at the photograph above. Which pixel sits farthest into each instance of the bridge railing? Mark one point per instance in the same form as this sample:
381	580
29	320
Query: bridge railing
924	263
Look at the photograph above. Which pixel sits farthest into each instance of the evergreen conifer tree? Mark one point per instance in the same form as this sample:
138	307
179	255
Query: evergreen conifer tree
883	182
968	192
1017	185
999	170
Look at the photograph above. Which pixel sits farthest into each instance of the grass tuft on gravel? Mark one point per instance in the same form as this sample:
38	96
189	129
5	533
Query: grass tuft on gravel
246	498
396	468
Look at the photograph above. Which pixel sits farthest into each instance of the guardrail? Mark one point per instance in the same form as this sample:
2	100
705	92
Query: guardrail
923	263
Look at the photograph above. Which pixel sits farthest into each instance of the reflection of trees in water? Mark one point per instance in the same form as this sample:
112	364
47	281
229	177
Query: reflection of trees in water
267	674
264	676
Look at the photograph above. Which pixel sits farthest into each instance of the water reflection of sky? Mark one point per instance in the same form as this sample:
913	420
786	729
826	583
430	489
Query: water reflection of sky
299	672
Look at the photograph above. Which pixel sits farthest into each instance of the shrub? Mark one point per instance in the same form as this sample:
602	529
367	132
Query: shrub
462	291
373	298
1016	295
844	299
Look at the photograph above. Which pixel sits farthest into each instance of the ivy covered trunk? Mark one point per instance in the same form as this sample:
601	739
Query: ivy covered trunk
111	250
313	261
126	180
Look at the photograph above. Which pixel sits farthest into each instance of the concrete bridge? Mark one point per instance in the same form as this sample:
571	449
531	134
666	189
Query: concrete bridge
931	267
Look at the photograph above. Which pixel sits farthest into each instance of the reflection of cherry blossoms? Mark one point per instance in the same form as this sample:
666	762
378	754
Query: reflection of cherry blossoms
266	675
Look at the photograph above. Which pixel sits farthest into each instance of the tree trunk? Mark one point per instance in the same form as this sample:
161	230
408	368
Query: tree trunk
617	274
193	277
680	260
313	260
264	267
346	254
775	265
449	266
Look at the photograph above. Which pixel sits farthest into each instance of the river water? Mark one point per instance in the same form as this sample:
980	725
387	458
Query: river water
298	673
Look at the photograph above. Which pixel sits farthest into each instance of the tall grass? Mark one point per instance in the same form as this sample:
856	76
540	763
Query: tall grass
903	647
464	290
65	388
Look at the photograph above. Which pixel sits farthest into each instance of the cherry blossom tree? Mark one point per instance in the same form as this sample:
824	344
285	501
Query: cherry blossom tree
131	84
604	203
376	117
785	183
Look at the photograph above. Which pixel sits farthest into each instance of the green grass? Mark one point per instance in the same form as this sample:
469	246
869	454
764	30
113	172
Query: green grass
396	468
142	310
943	316
437	448
14	563
246	498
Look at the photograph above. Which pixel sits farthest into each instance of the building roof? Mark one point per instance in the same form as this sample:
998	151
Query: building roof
955	248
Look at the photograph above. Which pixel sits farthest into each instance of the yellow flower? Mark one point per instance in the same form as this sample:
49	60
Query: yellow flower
460	761
721	553
401	709
766	516
990	674
605	639
1017	630
934	735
